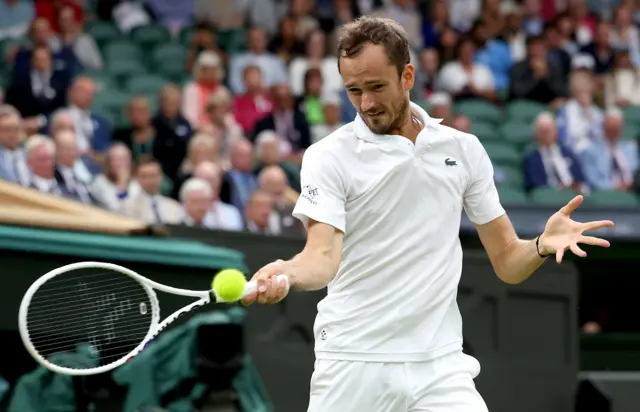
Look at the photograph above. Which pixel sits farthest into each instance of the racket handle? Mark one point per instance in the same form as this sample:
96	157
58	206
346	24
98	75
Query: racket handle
252	286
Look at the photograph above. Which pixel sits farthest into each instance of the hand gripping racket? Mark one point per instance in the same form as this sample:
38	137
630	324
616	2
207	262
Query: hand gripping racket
102	306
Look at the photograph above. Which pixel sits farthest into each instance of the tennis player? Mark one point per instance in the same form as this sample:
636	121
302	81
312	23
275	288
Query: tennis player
382	199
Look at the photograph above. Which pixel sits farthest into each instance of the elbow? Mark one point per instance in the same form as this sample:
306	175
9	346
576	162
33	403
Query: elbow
508	278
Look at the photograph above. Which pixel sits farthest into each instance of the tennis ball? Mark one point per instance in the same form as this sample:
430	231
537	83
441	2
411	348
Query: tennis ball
229	284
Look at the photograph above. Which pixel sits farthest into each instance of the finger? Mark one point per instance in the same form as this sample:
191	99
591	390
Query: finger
594	241
272	290
572	205
598	224
282	290
262	291
250	299
559	255
575	249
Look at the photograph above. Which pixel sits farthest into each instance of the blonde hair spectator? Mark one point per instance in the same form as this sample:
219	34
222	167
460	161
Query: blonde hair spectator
202	147
37	141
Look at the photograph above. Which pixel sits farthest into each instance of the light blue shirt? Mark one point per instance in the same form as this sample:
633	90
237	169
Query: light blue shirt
273	69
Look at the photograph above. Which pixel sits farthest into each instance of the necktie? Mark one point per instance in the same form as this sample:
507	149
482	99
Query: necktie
156	211
16	168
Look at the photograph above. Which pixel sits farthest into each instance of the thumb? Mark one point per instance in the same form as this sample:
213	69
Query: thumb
250	299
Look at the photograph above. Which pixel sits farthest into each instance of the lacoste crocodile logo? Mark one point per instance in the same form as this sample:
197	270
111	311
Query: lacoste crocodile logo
450	162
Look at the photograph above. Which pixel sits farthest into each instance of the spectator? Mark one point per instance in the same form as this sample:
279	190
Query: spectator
273	69
463	13
147	204
204	38
15	18
288	122
331	110
580	120
239	181
208	73
220	120
447	49
600	48
220	215
13	165
139	136
533	22
85	167
309	102
82	44
491	19
304	22
255	103
557	50
315	57
259	214
537	78
172	130
115	183
201	148
551	165
514	32
426	74
39	92
196	198
273	182
494	54
463	78
565	27
462	123
223	14
440	107
67	155
268	153
405	13
624	35
286	45
434	24
611	163
584	21
92	129
40	152
49	9
622	83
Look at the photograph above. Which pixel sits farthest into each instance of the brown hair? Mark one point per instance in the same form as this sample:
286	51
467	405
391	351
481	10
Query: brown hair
145	160
374	30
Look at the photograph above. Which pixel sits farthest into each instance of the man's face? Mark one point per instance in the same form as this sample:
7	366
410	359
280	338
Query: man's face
376	91
546	133
259	210
41	32
257	41
41	60
82	93
66	148
197	204
612	128
41	162
149	177
10	130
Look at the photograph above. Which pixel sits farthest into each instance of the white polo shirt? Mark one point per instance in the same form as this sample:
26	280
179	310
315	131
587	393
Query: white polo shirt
399	205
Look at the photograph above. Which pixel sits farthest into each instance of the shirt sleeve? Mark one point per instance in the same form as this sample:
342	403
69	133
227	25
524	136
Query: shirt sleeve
323	194
481	200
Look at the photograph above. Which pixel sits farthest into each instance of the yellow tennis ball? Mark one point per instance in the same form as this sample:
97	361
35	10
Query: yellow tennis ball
229	284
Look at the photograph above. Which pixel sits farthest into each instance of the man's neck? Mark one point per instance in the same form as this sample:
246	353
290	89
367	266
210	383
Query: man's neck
411	126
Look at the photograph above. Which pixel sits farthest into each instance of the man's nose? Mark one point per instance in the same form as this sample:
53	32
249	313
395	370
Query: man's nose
367	102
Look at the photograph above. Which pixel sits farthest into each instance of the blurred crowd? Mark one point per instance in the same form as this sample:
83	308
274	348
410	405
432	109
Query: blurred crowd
198	112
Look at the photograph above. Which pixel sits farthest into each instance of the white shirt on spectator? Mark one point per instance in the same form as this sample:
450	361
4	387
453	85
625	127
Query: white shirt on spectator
400	206
84	128
556	166
46	185
453	78
223	216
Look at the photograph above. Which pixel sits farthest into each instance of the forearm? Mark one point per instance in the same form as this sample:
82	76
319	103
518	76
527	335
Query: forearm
518	261
310	271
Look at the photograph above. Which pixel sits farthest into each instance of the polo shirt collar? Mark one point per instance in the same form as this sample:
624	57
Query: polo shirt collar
363	132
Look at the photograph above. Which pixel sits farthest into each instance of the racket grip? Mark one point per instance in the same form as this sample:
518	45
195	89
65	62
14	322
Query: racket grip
252	286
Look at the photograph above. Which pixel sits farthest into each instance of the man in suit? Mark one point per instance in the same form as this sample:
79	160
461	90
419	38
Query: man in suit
611	163
65	169
259	214
37	92
148	205
273	181
13	166
239	181
93	131
196	197
551	165
40	153
220	215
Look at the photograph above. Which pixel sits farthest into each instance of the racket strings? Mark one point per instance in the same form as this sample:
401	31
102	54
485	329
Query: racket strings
108	311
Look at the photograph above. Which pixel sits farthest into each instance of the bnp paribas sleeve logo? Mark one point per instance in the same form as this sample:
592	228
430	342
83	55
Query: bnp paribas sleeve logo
309	192
450	162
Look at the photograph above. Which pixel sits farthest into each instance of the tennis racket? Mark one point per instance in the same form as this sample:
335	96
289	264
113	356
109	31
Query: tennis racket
108	309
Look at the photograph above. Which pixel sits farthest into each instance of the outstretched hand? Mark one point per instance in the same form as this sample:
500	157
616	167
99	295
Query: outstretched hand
561	233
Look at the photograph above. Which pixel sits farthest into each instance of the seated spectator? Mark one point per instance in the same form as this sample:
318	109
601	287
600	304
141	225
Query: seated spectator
288	122
610	164
407	15
40	91
48	10
40	152
286	45
551	165
93	130
580	120
196	198
147	204
201	148
259	215
493	54
273	69
515	32
15	18
239	181
220	215
440	107
448	47
71	36
172	130
463	78
69	181
223	14
255	103
315	57
205	38
624	34
436	22
140	135
86	167
462	123
309	102
600	48
304	21
584	21
268	153
208	74
331	111
220	121
537	78
13	165
115	183
426	74
622	83
273	182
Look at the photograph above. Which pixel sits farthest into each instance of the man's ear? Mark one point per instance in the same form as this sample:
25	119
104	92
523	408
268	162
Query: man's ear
408	77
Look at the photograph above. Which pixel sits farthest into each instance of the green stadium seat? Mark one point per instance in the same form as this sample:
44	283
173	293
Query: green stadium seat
631	131
125	68
122	50
524	111
232	40
632	114
514	175
185	36
168	52
518	133
103	32
503	153
174	70
552	197
479	111
486	132
613	198
150	35
102	79
111	100
510	196
145	84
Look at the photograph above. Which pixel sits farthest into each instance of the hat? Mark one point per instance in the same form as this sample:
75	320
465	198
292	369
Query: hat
209	59
439	99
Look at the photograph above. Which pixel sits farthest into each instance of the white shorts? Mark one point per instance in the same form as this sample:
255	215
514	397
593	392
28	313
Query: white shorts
441	385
